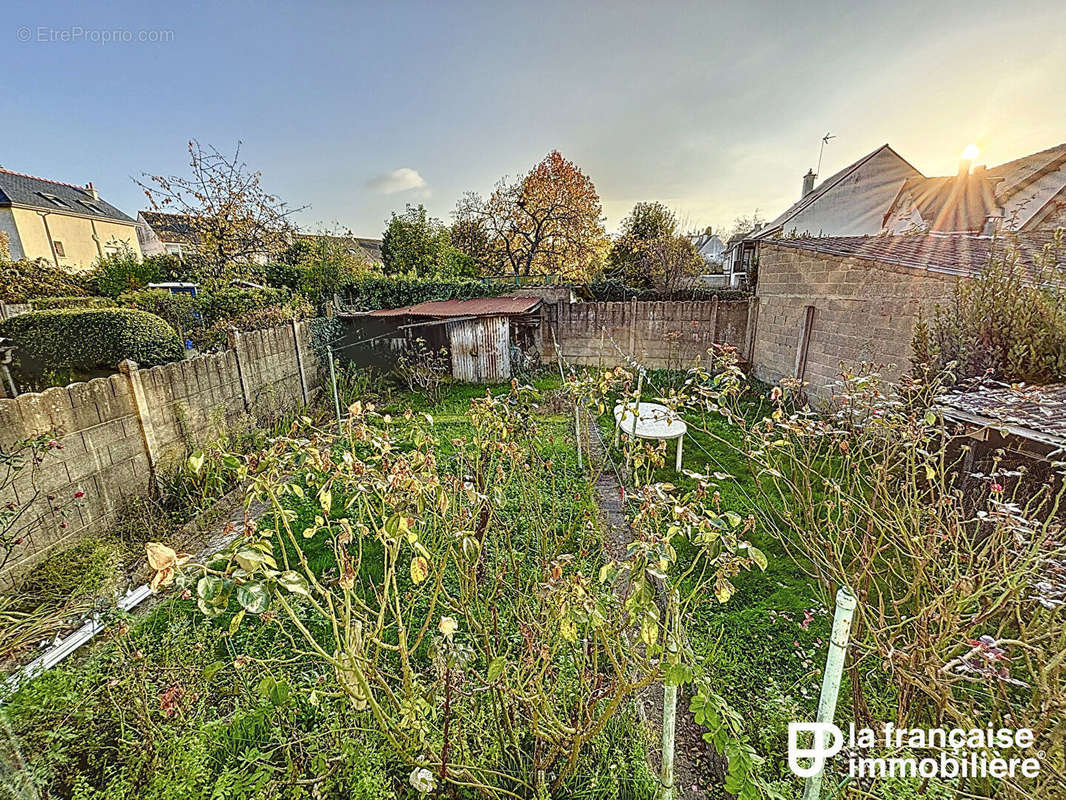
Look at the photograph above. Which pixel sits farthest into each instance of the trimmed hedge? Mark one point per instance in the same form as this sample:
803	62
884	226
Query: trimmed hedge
375	292
610	290
48	303
88	341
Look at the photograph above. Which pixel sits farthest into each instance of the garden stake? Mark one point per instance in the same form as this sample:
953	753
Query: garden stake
670	701
834	667
333	380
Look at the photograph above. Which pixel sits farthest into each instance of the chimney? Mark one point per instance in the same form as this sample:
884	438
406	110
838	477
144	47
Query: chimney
92	191
808	183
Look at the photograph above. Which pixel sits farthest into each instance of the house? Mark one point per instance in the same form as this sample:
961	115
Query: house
66	225
160	233
827	301
852	202
709	246
1026	194
370	249
738	257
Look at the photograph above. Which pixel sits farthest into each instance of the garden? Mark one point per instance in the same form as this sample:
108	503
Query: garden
471	592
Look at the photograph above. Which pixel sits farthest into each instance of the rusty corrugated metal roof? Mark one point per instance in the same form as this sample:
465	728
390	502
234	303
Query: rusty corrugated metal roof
479	307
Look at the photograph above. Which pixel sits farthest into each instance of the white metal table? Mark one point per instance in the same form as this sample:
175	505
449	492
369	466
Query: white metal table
651	421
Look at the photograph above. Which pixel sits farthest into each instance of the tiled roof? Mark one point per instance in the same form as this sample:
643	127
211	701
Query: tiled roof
61	198
478	307
370	247
958	254
172	228
1033	412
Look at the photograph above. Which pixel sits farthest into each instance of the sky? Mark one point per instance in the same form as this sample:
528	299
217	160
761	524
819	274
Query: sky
354	110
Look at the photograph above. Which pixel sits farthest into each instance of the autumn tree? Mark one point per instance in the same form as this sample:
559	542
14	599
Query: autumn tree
549	221
234	220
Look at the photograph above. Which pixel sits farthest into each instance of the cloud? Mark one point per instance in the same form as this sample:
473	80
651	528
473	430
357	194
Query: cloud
403	179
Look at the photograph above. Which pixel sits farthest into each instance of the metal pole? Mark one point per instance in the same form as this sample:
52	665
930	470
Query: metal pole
834	668
333	380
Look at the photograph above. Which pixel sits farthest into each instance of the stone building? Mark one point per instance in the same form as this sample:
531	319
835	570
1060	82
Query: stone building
827	301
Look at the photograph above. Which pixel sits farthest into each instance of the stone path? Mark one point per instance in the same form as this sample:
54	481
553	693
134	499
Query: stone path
693	758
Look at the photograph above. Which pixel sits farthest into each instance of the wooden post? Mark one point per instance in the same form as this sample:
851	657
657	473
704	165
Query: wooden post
299	360
804	342
234	339
749	331
130	369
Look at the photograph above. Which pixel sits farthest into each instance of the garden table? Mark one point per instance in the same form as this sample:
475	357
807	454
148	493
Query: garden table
652	421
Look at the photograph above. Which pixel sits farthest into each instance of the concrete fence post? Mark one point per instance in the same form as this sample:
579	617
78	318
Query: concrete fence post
299	360
233	337
132	372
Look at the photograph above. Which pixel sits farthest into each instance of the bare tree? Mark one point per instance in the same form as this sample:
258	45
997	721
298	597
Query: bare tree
234	220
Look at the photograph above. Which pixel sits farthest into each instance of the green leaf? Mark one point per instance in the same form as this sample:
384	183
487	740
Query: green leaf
253	597
208	588
496	668
294	582
235	623
757	556
325	500
212	669
196	462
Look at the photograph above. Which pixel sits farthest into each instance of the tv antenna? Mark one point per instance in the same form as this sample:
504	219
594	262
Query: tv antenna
825	141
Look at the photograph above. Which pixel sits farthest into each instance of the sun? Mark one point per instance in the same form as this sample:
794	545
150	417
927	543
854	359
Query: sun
970	152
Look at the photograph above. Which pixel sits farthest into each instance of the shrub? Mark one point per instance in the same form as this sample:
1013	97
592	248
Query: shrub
114	274
22	281
84	342
47	303
230	303
215	336
1008	322
177	310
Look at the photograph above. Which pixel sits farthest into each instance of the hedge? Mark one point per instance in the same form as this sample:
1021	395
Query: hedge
82	342
23	281
615	291
177	310
229	303
371	293
48	303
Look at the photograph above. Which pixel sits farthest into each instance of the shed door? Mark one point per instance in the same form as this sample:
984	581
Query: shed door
480	350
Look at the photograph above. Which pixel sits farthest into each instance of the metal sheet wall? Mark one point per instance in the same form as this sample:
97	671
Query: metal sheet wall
481	351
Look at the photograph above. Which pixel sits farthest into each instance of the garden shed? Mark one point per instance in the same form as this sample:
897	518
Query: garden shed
1028	420
480	334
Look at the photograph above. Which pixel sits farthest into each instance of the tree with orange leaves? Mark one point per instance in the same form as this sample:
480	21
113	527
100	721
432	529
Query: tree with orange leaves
547	222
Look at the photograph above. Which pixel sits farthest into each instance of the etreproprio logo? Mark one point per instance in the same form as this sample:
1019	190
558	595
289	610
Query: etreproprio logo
961	752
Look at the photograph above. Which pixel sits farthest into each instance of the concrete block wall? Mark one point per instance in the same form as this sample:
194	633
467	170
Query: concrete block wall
657	334
863	311
113	433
